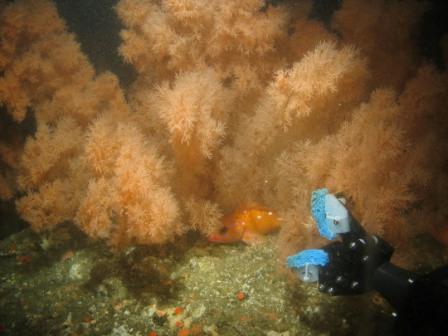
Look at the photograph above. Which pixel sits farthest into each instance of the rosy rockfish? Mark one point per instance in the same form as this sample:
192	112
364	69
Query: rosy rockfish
246	224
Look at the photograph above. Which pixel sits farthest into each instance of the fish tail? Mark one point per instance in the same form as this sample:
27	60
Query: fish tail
221	238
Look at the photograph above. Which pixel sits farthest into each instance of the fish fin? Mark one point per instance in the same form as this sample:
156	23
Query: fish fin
251	238
222	238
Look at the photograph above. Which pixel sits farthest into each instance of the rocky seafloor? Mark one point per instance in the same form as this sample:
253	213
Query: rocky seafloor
61	283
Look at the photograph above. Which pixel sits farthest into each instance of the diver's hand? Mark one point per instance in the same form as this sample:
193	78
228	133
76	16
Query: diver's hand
352	263
347	265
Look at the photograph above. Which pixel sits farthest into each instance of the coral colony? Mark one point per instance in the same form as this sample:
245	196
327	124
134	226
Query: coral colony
236	102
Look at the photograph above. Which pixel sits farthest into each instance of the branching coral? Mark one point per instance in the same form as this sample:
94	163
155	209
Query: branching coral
235	37
383	169
6	189
385	31
349	167
194	110
37	56
313	86
10	153
235	102
128	200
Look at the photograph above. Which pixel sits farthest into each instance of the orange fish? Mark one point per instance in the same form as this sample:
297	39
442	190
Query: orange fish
247	224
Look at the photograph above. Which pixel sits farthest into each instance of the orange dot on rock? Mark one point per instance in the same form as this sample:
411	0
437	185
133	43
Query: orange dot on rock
183	332
240	295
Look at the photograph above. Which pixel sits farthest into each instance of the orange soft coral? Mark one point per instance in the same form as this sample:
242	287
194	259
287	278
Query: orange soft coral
172	36
381	160
384	31
37	56
129	200
296	99
235	102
